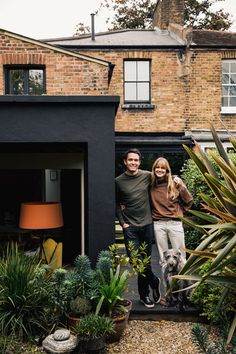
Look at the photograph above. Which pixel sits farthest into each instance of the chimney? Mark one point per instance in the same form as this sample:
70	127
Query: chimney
168	11
92	28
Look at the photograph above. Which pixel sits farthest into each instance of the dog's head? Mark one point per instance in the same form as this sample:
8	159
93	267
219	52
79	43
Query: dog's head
172	258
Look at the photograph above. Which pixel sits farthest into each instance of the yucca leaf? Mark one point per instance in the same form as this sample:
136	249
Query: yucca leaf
220	279
225	226
205	254
225	216
192	224
213	202
204	216
223	264
231	330
219	144
213	279
233	142
204	169
203	245
196	159
224	252
229	197
207	162
216	190
228	171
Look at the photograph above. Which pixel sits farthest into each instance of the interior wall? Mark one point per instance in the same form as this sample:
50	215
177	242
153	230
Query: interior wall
51	163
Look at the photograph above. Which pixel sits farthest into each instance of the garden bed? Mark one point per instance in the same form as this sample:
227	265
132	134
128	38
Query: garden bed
145	337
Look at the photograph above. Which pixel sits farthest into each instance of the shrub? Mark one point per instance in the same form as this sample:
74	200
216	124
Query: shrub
192	238
23	294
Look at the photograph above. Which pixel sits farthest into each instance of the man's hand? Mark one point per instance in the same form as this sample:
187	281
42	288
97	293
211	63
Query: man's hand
125	226
178	182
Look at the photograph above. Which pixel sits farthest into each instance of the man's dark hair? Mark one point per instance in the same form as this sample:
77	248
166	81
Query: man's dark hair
134	151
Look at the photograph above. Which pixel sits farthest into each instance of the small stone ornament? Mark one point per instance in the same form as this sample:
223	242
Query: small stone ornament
61	334
61	341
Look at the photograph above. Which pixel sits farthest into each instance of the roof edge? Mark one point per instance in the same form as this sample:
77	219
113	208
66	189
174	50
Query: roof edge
54	48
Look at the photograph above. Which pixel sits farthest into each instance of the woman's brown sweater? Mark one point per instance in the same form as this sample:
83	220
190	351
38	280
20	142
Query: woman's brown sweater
163	208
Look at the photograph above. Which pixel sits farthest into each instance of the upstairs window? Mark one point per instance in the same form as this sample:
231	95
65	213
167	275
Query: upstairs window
228	86
137	81
24	80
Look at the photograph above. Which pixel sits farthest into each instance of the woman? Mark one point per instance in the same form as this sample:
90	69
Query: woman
170	199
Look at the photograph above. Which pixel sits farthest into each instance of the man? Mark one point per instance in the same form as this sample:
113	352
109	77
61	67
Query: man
134	215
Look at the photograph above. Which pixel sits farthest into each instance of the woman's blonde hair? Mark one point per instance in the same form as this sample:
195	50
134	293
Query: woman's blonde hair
172	191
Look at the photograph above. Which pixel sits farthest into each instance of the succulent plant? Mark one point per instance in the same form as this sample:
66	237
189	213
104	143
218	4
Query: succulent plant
80	306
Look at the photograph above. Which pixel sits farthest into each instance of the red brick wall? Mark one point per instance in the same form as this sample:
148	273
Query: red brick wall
167	12
180	104
65	74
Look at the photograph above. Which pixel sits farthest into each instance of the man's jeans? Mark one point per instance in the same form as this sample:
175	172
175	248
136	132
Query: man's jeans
139	235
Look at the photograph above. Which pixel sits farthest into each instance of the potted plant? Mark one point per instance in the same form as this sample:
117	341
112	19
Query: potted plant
109	303
79	307
92	330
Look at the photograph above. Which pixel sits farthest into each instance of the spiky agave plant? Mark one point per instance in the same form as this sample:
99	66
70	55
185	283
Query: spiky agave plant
219	226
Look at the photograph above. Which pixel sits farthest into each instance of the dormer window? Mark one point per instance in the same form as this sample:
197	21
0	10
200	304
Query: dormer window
25	80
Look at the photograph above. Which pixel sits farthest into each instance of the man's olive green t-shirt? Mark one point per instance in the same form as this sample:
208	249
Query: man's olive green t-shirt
132	198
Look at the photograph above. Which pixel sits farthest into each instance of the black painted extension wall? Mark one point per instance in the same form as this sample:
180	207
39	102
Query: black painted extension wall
85	120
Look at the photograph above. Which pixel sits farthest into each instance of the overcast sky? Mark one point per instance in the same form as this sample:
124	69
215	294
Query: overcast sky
58	18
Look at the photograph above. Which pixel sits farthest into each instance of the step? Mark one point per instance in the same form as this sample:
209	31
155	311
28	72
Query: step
159	313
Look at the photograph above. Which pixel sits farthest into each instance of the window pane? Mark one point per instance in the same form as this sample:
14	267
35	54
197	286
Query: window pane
225	79
225	101
143	91
16	82
233	67
35	82
225	90
233	79
225	67
232	90
130	92
130	71
143	71
232	101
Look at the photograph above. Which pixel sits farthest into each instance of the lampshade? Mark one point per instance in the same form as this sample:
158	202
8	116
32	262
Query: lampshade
40	215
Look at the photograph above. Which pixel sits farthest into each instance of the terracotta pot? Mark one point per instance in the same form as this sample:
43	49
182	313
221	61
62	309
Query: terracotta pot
127	305
120	323
72	320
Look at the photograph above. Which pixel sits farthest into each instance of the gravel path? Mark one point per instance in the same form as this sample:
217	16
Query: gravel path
155	337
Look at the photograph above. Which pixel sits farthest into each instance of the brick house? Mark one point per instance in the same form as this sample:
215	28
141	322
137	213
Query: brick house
61	99
172	81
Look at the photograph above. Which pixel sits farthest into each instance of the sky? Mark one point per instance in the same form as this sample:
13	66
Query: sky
58	18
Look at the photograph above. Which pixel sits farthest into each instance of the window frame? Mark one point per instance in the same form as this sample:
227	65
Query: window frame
137	101
227	109
26	69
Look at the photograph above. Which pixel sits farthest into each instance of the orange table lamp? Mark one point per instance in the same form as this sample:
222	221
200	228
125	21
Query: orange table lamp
43	216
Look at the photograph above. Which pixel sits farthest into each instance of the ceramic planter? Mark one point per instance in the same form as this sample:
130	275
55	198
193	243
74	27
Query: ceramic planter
72	320
120	323
92	345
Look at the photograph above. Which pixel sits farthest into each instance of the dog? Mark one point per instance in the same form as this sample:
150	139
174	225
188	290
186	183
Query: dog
173	264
